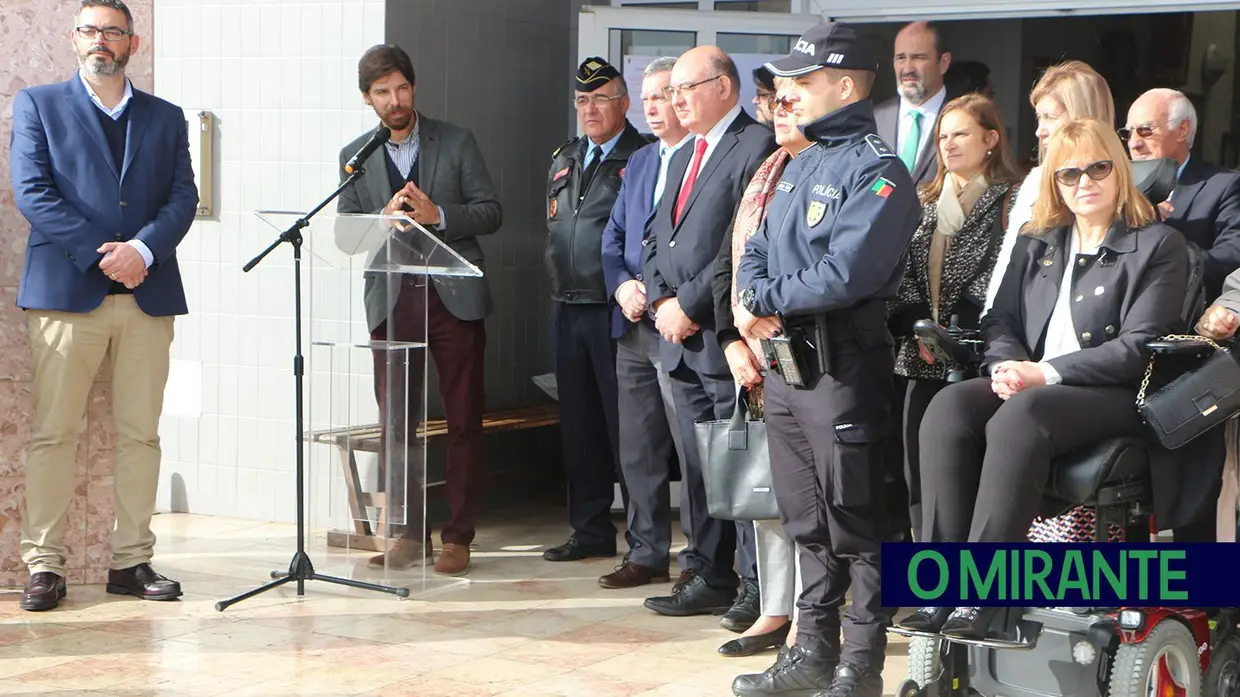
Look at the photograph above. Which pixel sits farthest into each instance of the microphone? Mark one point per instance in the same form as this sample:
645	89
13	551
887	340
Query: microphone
379	138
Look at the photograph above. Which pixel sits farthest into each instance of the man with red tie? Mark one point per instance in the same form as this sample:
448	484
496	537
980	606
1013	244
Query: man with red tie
705	182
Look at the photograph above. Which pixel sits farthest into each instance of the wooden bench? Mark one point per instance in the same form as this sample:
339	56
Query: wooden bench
366	439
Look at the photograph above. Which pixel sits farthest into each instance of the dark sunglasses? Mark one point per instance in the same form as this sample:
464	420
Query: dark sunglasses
1069	176
778	102
1145	130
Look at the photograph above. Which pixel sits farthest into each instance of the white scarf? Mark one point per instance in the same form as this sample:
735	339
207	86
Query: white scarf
953	209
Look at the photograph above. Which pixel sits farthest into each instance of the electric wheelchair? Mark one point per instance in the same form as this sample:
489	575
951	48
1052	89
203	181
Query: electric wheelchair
1106	492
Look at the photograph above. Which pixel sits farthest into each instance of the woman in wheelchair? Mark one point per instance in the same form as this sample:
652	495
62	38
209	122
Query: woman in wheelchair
1093	277
952	254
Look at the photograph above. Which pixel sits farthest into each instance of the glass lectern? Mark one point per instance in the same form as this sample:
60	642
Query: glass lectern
365	292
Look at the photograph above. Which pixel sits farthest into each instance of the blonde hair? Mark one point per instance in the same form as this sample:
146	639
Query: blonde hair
1081	138
1079	89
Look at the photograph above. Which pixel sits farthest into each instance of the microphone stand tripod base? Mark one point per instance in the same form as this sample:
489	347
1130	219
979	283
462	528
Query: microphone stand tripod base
301	569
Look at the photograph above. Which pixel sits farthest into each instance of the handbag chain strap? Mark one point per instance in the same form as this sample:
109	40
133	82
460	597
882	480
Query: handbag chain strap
1149	368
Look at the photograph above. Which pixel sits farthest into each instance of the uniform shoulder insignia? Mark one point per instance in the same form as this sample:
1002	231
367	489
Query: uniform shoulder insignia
879	146
556	152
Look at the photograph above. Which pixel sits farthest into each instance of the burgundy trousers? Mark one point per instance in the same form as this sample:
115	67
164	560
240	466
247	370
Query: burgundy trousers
458	349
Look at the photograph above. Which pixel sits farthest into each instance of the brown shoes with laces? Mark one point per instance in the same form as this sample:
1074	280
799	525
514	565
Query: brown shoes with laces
631	575
453	559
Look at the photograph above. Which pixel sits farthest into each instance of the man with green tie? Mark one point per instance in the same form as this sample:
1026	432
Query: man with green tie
906	122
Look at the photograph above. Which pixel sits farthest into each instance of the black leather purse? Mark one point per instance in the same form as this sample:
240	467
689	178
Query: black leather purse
1198	399
736	466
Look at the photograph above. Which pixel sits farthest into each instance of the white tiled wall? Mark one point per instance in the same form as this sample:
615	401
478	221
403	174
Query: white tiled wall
281	78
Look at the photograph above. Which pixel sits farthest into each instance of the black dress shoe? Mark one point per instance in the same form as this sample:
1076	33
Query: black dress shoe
800	672
927	619
745	611
854	681
749	645
969	622
43	591
144	582
696	597
576	551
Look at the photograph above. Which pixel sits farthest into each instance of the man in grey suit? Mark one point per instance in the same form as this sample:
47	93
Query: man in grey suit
906	122
434	172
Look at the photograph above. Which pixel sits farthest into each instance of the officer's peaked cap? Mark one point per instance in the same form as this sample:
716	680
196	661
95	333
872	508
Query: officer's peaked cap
593	73
828	45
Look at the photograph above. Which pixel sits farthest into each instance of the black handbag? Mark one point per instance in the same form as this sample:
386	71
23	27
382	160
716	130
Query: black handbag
1196	401
736	466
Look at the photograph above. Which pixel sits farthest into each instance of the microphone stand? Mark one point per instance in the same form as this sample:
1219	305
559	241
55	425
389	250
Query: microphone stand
301	569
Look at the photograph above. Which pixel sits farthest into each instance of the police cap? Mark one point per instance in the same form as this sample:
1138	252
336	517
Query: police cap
593	73
828	45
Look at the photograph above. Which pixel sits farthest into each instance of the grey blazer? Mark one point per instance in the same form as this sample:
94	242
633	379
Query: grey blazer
453	174
887	118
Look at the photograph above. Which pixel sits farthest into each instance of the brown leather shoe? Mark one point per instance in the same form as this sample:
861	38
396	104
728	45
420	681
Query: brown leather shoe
403	554
453	559
44	591
685	576
631	575
144	582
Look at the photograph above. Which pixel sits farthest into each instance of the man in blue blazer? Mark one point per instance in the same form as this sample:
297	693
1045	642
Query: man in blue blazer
102	173
647	414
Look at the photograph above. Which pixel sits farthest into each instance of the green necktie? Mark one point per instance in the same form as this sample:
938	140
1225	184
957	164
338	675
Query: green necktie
908	153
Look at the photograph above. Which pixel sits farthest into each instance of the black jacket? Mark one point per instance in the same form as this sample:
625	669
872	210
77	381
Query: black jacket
575	218
1207	213
680	257
1130	293
836	233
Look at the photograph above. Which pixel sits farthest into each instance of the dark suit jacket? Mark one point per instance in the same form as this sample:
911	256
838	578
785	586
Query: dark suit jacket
453	174
626	229
1133	293
680	258
887	118
76	197
1207	213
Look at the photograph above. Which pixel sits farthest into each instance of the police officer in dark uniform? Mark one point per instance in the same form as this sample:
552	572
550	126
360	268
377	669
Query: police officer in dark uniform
582	186
828	256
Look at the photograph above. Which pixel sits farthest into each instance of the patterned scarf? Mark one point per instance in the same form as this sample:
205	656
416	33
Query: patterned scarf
749	215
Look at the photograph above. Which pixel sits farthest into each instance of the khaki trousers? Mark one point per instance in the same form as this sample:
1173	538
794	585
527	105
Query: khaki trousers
68	351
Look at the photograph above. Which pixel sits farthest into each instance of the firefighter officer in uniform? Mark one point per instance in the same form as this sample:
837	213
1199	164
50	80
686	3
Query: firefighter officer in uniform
828	256
582	185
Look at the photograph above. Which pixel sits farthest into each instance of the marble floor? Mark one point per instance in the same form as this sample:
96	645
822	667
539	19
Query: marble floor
516	626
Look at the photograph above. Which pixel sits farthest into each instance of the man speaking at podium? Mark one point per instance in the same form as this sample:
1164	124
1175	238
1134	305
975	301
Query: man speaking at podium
434	172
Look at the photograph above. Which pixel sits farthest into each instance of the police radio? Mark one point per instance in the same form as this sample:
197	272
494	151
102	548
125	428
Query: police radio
786	354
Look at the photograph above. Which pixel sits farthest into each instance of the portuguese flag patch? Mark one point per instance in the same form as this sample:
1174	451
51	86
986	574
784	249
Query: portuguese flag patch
882	188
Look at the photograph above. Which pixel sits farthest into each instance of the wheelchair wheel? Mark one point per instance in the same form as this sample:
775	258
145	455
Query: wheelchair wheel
1165	664
924	662
909	688
1223	677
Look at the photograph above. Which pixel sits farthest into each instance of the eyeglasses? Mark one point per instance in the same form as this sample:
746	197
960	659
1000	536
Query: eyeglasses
598	100
671	91
767	98
781	102
110	33
1069	176
1145	130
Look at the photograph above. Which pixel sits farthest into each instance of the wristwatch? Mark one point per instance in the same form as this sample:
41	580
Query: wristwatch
749	298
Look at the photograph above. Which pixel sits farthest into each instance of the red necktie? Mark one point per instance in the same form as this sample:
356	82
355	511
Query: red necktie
699	151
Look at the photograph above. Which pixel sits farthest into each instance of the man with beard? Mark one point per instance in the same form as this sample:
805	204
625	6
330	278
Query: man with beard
906	123
433	171
102	173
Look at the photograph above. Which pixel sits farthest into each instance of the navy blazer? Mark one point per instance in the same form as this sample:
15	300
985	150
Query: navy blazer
1207	212
76	197
626	230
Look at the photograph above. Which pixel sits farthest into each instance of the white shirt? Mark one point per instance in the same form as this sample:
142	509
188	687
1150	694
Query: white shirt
713	136
1061	330
1022	211
929	114
115	113
665	158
